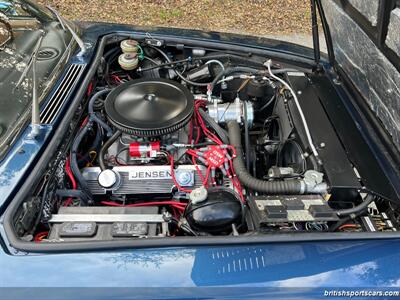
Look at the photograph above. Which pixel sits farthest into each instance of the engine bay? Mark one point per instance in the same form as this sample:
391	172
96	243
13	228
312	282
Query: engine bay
192	142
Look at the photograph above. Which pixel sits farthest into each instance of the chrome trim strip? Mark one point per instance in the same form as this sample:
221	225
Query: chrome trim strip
57	100
107	218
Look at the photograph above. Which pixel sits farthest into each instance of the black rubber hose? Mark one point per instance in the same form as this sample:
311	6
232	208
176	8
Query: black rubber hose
74	160
103	150
343	221
223	135
268	187
93	115
354	210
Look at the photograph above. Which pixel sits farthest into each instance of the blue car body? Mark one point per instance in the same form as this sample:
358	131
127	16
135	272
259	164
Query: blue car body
301	270
287	270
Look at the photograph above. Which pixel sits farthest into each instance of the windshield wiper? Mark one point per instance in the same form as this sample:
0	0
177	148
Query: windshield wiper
65	26
35	102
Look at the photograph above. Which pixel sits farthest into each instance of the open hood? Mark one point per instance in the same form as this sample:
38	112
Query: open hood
366	46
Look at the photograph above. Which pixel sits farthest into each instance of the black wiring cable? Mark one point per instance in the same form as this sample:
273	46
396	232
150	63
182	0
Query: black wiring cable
42	202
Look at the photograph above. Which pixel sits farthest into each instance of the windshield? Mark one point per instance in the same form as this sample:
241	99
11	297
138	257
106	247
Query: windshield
21	25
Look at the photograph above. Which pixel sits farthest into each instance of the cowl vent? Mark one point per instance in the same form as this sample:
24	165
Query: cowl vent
47	53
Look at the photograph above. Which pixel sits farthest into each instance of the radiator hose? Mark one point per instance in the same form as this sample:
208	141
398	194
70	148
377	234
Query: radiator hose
269	187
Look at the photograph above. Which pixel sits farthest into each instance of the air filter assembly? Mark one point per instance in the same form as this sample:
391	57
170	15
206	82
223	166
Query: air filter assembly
149	107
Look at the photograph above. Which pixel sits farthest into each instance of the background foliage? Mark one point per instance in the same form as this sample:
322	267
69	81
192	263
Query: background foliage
257	17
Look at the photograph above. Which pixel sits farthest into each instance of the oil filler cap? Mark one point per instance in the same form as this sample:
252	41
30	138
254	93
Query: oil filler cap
108	179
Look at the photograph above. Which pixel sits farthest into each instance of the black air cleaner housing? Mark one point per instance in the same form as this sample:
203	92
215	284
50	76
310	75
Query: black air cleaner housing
149	107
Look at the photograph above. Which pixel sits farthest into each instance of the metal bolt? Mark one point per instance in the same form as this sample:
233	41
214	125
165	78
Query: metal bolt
337	81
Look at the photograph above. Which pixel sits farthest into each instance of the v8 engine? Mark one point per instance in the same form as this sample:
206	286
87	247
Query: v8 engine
191	142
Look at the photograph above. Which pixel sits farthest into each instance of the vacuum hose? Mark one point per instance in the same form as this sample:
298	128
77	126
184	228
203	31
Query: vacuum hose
268	187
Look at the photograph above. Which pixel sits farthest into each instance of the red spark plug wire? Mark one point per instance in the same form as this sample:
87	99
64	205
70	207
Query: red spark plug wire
71	178
178	205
